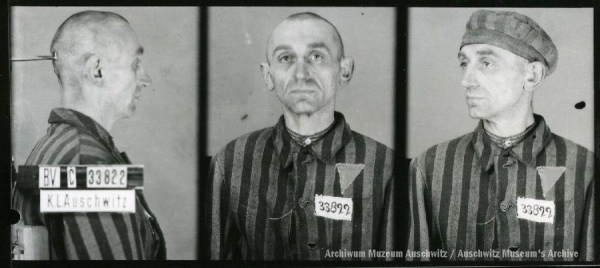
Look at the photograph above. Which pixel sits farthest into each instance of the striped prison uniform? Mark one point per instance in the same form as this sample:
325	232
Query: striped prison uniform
463	198
263	196
74	138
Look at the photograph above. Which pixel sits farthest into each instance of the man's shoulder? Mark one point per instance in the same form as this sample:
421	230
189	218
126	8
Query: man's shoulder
66	144
571	144
430	153
370	142
60	145
265	133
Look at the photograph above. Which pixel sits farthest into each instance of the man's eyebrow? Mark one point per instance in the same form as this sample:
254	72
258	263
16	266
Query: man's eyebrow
319	45
310	46
281	47
484	52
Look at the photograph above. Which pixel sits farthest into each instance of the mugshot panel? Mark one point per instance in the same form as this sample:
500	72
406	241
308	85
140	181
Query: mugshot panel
239	102
456	189
163	133
436	103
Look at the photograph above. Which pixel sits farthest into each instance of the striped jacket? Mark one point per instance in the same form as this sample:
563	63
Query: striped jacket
264	185
464	199
74	138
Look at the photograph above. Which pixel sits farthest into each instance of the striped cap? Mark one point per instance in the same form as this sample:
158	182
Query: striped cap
514	32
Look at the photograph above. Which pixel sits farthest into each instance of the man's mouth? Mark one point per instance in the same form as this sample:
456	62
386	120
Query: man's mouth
473	97
303	91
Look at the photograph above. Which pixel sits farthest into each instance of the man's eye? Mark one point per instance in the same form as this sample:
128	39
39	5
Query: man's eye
486	63
317	57
463	65
285	58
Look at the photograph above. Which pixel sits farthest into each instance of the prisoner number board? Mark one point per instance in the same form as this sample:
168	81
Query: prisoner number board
106	190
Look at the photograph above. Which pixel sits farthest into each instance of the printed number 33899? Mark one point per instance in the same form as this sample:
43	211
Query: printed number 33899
536	210
334	207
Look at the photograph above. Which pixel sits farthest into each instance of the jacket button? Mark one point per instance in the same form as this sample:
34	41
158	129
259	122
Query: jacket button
505	206
303	202
307	141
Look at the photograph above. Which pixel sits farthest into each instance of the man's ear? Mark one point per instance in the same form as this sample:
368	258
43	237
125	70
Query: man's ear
347	65
93	70
535	72
266	72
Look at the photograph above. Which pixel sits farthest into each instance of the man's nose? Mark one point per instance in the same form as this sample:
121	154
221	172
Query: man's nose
145	79
468	78
302	70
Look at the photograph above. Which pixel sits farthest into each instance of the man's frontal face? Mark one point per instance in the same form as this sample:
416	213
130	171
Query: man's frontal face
493	79
126	76
304	65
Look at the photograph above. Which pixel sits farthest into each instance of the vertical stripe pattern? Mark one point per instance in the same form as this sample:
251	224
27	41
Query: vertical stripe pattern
74	138
463	199
263	188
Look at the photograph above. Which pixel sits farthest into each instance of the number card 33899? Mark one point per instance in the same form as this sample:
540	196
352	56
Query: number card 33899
337	208
535	210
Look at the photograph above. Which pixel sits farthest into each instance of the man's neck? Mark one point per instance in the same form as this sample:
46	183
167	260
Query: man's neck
105	121
509	126
308	124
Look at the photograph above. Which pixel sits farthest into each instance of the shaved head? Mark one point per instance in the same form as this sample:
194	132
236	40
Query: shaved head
308	16
98	65
82	35
306	65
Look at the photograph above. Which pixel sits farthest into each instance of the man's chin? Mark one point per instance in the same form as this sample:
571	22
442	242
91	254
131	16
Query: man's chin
473	113
302	109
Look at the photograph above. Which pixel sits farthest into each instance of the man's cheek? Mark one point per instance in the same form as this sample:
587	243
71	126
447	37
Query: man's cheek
280	80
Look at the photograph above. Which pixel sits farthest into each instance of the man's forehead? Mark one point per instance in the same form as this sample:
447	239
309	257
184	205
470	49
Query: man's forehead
122	43
475	51
482	50
130	41
302	32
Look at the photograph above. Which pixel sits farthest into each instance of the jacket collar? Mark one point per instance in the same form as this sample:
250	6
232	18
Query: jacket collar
537	140
324	149
83	123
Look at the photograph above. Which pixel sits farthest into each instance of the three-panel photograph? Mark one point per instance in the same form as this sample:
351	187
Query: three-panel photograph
302	135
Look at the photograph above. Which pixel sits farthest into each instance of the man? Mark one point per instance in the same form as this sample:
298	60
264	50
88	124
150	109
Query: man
99	69
512	189
308	188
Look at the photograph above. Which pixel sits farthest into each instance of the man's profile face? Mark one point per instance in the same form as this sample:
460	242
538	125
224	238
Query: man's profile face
304	65
493	79
125	74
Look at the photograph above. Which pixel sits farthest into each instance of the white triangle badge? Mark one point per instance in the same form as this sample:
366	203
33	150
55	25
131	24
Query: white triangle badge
549	176
348	172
